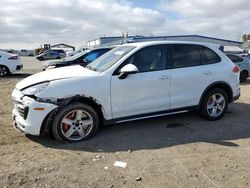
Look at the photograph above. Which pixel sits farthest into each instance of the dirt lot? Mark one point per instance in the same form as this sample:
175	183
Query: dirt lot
176	151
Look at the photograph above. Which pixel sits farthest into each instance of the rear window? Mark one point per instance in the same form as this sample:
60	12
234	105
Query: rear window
235	58
208	56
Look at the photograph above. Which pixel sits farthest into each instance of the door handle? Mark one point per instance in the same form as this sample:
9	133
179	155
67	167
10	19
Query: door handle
163	77
207	72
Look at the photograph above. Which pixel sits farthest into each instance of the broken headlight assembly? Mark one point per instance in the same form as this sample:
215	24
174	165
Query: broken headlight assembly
32	90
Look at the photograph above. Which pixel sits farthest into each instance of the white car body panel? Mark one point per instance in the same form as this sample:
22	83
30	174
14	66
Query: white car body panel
82	86
183	90
72	81
141	93
56	74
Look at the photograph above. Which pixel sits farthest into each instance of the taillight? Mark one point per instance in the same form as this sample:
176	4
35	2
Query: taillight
13	57
236	69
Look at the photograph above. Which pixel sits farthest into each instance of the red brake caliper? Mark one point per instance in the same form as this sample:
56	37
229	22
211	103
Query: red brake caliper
211	100
65	126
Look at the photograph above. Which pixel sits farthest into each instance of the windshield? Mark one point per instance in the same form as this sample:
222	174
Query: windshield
105	61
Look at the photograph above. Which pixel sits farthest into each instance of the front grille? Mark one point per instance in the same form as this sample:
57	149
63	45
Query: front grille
20	111
23	111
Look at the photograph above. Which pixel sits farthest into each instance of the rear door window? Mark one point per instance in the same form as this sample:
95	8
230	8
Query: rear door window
186	55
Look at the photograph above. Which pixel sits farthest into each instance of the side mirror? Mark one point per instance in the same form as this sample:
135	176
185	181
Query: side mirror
126	70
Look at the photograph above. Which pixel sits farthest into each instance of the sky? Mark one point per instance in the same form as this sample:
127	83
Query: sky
27	24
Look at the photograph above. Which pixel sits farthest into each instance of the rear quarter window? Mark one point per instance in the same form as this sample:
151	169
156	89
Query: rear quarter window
208	56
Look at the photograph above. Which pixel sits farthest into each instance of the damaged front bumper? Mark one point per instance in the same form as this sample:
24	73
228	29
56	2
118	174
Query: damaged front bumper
29	114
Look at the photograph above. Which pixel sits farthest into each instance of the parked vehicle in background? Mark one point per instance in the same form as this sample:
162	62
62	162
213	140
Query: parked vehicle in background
9	63
248	57
130	82
82	58
24	52
60	51
11	51
243	55
71	53
51	54
244	65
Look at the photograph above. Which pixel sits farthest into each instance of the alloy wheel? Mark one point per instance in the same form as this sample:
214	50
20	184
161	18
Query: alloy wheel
76	125
216	105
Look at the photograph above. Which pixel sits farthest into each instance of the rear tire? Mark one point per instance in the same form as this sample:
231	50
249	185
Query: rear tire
75	122
4	71
243	76
214	104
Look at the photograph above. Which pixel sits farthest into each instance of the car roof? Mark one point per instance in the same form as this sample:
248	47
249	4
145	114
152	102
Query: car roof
99	48
149	43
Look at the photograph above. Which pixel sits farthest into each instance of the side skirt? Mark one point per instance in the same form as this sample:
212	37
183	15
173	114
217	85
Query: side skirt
151	115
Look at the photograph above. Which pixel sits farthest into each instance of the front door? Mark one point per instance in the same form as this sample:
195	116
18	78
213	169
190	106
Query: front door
146	91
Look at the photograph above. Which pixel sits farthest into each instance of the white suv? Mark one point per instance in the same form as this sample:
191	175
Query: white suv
130	82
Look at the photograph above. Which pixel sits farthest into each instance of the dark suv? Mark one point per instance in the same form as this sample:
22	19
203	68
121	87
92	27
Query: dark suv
82	58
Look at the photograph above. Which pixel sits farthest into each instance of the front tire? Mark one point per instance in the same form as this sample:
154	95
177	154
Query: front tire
214	104
75	122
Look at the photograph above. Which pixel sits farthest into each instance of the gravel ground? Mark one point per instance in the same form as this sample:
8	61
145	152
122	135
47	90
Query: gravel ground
175	151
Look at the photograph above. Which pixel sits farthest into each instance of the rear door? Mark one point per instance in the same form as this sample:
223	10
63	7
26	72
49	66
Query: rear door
192	72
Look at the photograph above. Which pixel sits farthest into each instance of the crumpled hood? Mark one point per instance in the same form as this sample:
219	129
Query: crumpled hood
55	74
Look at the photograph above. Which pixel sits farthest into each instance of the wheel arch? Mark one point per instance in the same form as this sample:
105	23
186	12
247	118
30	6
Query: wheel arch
221	85
47	122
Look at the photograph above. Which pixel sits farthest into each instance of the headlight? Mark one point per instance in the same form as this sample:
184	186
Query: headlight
35	89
